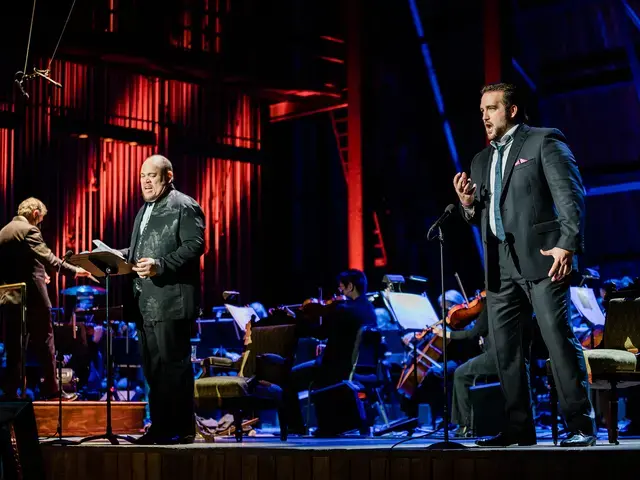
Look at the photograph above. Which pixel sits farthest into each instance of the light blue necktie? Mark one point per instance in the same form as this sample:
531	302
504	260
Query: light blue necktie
497	192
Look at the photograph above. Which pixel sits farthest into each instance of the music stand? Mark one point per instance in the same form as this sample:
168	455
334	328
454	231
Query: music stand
413	313
105	264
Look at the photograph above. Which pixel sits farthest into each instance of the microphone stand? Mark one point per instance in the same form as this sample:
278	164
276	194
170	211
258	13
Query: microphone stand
446	444
59	440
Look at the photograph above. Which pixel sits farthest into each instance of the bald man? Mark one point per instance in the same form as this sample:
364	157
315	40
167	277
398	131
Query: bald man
166	244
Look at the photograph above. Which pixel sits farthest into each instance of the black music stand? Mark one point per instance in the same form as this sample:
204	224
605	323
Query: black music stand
409	423
105	264
58	440
446	444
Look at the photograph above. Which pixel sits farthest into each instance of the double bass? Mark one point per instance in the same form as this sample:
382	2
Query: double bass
429	345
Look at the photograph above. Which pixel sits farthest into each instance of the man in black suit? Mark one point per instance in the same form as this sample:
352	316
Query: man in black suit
25	257
340	325
528	199
166	245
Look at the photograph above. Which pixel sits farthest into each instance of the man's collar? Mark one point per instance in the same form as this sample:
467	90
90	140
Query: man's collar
506	138
20	218
511	132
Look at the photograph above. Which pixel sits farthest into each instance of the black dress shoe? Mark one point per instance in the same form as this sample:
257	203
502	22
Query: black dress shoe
578	439
176	440
506	440
147	439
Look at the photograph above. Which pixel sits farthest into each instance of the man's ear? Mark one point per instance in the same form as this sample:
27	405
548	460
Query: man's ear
513	111
169	176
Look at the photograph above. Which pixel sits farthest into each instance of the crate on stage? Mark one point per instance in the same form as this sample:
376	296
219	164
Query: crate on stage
487	401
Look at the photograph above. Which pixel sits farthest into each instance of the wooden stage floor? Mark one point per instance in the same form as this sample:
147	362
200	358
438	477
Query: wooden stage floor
266	458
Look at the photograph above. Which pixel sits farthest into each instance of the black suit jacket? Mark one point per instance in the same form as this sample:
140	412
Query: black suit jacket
340	326
174	237
542	203
23	258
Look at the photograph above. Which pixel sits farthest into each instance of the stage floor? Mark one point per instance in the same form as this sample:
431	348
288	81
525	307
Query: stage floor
345	458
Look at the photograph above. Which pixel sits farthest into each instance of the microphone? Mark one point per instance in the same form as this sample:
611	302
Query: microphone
66	258
19	79
447	211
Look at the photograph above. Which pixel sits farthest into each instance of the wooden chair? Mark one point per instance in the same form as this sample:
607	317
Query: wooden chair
263	373
614	366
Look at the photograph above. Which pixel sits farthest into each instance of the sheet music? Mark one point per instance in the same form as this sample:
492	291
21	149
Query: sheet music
414	312
585	301
242	315
103	247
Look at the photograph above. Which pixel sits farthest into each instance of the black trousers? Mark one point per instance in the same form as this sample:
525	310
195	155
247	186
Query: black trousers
40	333
510	313
166	363
464	377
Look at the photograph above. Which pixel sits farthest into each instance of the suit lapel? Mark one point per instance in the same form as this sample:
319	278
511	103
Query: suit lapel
487	172
136	231
521	136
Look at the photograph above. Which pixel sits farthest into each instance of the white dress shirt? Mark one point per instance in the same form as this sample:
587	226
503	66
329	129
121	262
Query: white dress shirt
146	216
507	139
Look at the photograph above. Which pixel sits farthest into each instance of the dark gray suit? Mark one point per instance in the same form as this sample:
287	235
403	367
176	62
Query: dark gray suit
24	257
165	306
542	206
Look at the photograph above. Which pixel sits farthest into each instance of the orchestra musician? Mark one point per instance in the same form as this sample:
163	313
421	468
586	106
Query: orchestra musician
24	257
166	244
526	194
340	325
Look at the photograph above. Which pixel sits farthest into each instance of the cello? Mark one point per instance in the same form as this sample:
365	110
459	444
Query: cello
429	353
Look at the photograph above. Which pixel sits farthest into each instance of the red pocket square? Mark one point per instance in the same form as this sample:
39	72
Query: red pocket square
521	161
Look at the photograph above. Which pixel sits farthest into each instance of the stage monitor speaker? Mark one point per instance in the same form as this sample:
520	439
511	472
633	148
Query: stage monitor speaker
489	417
339	409
20	447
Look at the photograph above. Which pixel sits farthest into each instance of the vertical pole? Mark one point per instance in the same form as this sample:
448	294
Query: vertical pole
354	131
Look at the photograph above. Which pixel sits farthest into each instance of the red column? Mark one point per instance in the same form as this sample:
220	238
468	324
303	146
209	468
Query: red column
354	131
492	50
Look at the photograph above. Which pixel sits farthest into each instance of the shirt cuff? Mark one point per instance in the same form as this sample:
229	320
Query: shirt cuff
470	211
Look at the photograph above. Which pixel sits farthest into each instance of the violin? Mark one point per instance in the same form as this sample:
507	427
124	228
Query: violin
315	305
462	315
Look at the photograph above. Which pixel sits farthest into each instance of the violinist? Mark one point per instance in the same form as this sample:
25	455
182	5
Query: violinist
340	323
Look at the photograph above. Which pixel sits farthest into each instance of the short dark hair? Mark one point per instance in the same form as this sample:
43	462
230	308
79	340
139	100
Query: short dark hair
511	96
356	277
